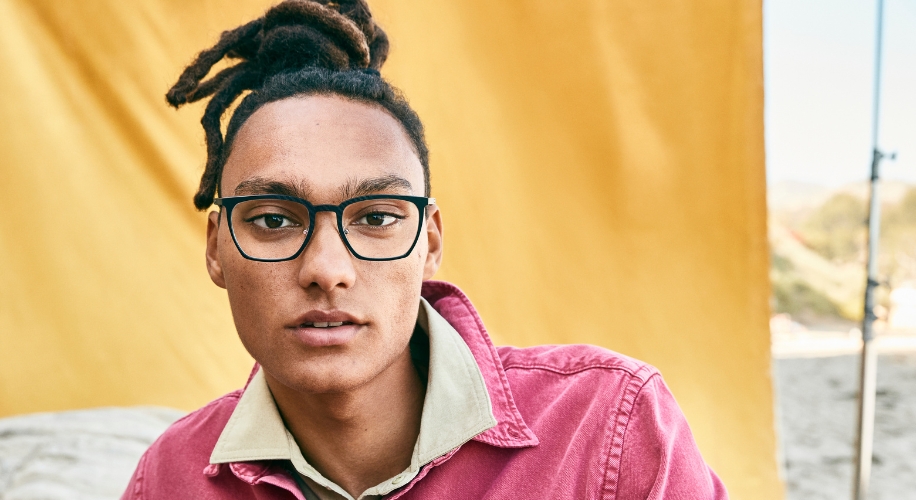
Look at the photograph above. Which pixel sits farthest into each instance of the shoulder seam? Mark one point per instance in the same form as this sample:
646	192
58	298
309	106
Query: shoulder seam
619	429
590	366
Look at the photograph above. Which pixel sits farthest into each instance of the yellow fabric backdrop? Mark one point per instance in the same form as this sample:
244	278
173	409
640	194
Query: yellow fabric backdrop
599	165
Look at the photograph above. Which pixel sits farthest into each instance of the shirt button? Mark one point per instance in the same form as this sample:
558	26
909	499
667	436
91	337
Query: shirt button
397	479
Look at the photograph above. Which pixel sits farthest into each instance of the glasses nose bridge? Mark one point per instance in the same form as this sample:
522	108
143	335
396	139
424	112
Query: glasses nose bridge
334	209
337	214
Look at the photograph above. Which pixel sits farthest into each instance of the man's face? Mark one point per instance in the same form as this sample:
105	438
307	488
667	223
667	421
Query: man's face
325	149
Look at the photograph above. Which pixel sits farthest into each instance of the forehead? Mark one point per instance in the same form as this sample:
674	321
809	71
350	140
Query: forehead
324	143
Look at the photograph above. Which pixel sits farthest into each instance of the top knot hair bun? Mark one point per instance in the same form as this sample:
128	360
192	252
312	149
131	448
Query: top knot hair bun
298	48
292	35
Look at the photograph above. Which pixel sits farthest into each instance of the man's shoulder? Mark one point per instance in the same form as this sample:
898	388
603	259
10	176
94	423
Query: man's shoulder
177	464
195	434
569	359
587	380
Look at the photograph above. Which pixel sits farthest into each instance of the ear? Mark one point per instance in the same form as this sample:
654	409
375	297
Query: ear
434	242
214	266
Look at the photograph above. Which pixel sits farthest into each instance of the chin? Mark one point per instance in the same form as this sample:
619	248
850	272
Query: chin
325	376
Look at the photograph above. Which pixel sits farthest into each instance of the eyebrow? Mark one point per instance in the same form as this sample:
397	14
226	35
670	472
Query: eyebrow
374	185
261	185
352	188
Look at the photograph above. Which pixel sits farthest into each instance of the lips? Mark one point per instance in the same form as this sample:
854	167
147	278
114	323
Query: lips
326	328
324	319
325	324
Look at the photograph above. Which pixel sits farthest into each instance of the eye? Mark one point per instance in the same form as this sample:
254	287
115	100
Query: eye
378	219
270	221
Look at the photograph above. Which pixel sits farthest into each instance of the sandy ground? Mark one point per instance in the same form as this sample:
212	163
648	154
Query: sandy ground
90	454
817	398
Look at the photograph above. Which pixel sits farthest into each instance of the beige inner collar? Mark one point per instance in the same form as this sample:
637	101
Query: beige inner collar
457	408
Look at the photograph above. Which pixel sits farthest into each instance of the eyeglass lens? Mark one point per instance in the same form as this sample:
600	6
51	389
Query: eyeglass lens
273	229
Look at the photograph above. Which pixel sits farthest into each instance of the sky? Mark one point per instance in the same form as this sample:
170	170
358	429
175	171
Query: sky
818	84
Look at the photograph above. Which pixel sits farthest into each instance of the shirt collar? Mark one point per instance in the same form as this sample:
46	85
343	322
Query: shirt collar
455	308
457	409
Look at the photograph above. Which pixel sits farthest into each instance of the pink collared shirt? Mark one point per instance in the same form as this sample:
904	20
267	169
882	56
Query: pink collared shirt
573	422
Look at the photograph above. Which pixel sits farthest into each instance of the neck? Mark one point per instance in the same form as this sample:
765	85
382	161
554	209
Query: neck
359	438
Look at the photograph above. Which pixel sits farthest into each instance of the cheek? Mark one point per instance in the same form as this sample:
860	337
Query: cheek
394	288
255	289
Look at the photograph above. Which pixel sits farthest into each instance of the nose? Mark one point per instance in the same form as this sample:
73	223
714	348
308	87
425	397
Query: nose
326	262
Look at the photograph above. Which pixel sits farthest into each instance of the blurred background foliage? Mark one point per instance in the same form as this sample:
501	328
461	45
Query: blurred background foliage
835	229
818	249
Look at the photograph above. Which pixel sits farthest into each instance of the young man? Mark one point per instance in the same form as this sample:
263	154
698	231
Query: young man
372	381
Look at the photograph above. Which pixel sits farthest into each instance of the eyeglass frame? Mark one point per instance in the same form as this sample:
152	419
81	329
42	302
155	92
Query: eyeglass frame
229	202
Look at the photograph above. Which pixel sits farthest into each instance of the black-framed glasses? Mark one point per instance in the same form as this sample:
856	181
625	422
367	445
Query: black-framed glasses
274	228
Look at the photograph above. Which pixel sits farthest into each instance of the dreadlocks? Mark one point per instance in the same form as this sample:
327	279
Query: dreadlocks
299	47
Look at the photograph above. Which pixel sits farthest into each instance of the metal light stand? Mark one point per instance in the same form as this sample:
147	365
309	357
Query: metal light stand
866	428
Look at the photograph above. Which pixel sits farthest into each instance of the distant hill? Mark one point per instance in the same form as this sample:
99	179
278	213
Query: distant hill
818	240
794	195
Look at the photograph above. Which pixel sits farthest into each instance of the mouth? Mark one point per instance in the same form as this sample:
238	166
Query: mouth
326	328
318	318
325	324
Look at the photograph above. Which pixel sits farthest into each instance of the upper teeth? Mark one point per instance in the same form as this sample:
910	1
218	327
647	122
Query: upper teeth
325	324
